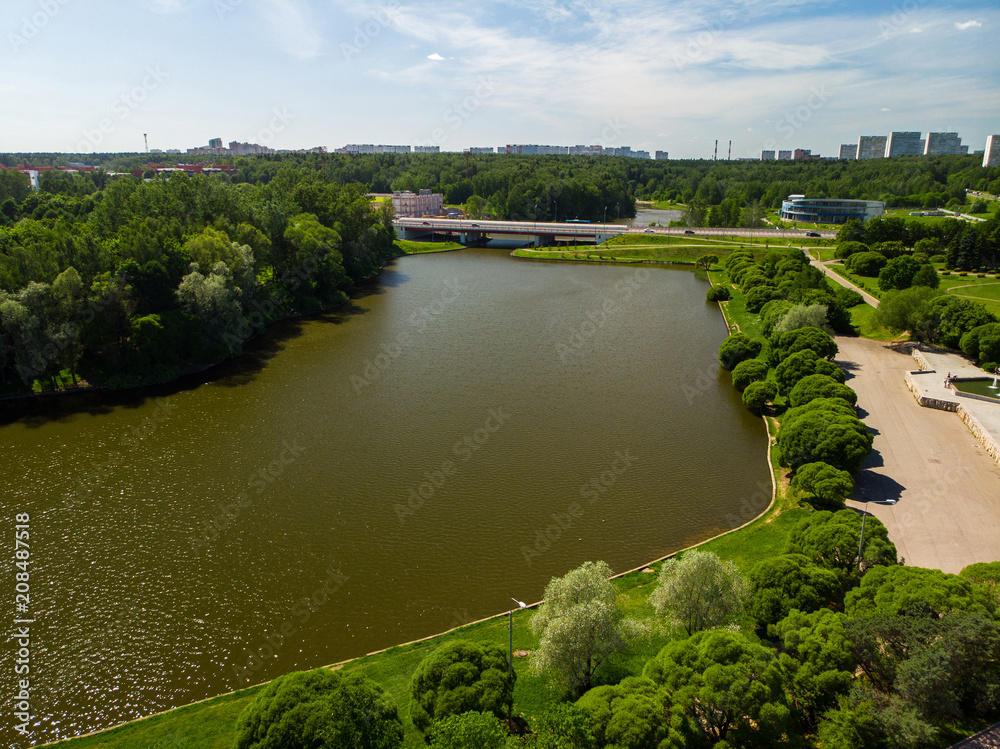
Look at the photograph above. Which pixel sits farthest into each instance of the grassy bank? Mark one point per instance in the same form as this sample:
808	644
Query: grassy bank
409	247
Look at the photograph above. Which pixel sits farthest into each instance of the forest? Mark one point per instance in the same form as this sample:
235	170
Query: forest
121	277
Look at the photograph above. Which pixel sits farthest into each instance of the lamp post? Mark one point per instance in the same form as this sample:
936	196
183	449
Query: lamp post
510	634
861	543
605	215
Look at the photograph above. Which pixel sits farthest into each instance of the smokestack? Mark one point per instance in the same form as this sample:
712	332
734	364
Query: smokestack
715	156
730	157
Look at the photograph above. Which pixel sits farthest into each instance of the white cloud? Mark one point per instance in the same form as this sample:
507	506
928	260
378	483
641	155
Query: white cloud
967	25
435	56
295	30
886	109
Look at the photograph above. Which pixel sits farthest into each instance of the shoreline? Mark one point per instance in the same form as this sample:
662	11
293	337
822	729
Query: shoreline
762	515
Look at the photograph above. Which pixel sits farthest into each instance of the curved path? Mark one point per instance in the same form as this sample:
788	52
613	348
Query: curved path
947	487
843	281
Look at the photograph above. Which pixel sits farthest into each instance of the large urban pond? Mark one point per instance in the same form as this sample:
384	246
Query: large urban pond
467	427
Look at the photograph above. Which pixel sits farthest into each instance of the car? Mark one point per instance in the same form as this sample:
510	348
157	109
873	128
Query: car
688	231
647	231
812	234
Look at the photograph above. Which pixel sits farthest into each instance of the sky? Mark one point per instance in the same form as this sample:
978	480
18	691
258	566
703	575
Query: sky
95	75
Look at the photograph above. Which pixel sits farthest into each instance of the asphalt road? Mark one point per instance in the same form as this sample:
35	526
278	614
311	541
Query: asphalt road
947	487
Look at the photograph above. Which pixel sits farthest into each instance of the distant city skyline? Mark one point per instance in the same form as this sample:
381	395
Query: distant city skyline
296	74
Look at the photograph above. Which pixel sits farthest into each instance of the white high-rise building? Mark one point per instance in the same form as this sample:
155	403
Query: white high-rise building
991	156
849	151
942	143
767	156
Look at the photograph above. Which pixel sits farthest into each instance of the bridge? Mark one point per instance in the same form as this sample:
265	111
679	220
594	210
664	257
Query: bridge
474	231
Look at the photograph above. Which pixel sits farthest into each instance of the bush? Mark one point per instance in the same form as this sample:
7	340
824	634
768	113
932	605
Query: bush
831	540
824	430
802	364
815	386
847	298
758	296
805	316
784	344
982	343
719	293
939	258
759	394
846	249
749	371
865	263
322	708
632	714
827	486
459	677
736	348
471	730
789	581
898	273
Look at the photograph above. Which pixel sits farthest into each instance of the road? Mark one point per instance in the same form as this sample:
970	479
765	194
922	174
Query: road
947	487
843	281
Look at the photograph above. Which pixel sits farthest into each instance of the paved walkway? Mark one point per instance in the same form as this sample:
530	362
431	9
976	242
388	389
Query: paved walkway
837	278
947	487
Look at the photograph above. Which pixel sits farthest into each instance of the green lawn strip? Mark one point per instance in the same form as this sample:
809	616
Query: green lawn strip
863	318
864	282
411	247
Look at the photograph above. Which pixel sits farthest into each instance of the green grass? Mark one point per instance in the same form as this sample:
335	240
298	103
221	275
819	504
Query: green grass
410	247
867	284
863	318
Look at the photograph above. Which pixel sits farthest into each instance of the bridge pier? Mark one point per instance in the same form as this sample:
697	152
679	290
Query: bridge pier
472	237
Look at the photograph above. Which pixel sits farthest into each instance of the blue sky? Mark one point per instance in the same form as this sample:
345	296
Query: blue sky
95	74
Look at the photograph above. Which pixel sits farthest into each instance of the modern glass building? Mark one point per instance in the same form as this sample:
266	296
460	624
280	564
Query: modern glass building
829	210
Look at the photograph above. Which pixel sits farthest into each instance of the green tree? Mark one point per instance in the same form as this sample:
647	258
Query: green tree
759	394
982	343
851	727
790	581
865	263
718	293
896	590
846	249
215	300
950	317
459	677
825	485
470	730
748	371
898	273
320	709
824	430
815	386
804	316
927	277
580	625
736	348
823	665
699	591
815	339
905	310
706	261
831	540
729	685
633	714
795	367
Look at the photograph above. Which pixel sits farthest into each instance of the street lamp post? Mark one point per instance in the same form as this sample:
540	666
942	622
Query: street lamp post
861	543
510	634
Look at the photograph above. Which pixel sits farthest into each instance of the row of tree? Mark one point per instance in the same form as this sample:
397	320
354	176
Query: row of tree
141	281
830	643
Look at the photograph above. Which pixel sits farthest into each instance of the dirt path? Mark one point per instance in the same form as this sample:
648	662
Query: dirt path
948	488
